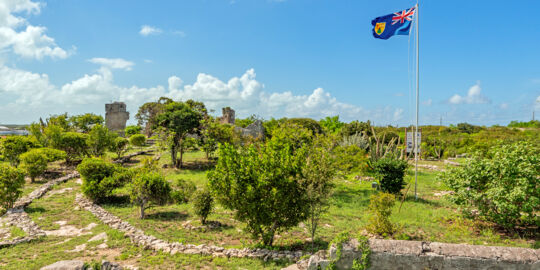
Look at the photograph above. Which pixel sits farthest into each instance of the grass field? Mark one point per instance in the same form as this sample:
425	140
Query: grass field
430	218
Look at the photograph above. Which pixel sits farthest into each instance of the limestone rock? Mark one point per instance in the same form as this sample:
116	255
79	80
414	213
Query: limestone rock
65	265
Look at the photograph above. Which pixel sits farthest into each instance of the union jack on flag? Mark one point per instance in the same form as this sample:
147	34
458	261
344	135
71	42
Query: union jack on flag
398	23
400	17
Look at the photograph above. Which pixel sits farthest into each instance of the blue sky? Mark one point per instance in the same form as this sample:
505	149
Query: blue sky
294	58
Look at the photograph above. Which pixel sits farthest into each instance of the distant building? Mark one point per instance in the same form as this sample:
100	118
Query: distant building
116	116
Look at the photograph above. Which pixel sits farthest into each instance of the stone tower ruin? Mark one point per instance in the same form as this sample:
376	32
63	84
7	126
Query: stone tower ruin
116	116
228	116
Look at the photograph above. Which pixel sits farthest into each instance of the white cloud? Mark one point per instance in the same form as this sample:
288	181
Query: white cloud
399	94
115	63
245	94
26	40
147	30
474	96
147	61
537	103
503	106
179	33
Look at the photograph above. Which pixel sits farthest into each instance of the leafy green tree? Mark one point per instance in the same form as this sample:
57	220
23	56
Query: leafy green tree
391	172
331	124
293	134
74	144
262	184
149	187
12	147
184	191
502	186
100	178
147	114
60	120
11	184
178	119
317	180
307	123
350	158
203	202
34	163
132	130
380	208
214	133
137	140
243	123
84	122
356	127
119	146
99	140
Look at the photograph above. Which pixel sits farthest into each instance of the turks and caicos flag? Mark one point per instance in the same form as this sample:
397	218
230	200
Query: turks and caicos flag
398	23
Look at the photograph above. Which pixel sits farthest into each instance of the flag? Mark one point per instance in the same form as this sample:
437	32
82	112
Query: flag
398	23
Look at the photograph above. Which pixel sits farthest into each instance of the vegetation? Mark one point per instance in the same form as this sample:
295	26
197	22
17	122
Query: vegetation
203	202
132	130
149	187
184	191
13	146
380	208
11	183
502	186
100	178
390	172
85	122
119	146
34	163
137	140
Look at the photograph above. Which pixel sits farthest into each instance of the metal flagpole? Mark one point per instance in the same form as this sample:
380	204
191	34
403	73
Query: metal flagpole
416	147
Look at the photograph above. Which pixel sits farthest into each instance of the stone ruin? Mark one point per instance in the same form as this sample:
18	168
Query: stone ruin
116	116
255	129
228	116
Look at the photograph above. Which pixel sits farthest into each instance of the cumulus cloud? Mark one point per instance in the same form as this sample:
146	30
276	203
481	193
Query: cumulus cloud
503	106
537	103
244	93
147	30
24	39
474	96
115	63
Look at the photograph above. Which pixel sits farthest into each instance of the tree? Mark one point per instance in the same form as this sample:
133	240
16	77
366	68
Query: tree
148	112
99	140
178	119
203	204
391	172
12	147
100	178
132	130
502	186
11	184
331	124
34	163
318	174
84	122
73	143
149	187
213	133
356	127
380	207
119	145
262	184
307	123
60	120
137	140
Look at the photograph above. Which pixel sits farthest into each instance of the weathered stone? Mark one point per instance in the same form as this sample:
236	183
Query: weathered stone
65	265
116	116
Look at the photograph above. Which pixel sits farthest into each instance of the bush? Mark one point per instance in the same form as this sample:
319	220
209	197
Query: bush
503	186
184	191
99	140
203	204
34	163
119	146
100	178
12	147
138	140
73	143
350	158
380	207
149	187
307	123
11	184
390	172
132	130
52	154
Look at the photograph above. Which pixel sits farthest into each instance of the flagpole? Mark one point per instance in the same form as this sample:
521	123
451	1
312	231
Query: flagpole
416	147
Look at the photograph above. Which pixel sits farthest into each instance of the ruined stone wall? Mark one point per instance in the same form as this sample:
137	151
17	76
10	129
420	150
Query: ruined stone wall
116	116
228	116
398	254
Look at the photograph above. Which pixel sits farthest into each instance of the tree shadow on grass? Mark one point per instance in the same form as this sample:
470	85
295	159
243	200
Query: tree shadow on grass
30	210
410	198
167	216
198	165
117	200
348	196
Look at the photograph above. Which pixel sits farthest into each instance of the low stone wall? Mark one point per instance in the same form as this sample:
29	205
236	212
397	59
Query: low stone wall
40	191
150	242
398	254
127	158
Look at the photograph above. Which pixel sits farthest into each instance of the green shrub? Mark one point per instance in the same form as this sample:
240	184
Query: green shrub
119	146
149	187
84	122
184	191
11	184
137	140
99	140
73	143
100	178
503	186
350	158
132	130
34	163
307	123
390	172
12	147
203	204
380	208
52	154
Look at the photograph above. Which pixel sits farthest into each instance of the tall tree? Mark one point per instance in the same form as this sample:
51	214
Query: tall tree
148	112
178	119
84	122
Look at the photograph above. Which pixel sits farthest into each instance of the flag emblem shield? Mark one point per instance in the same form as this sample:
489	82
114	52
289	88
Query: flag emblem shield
379	28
